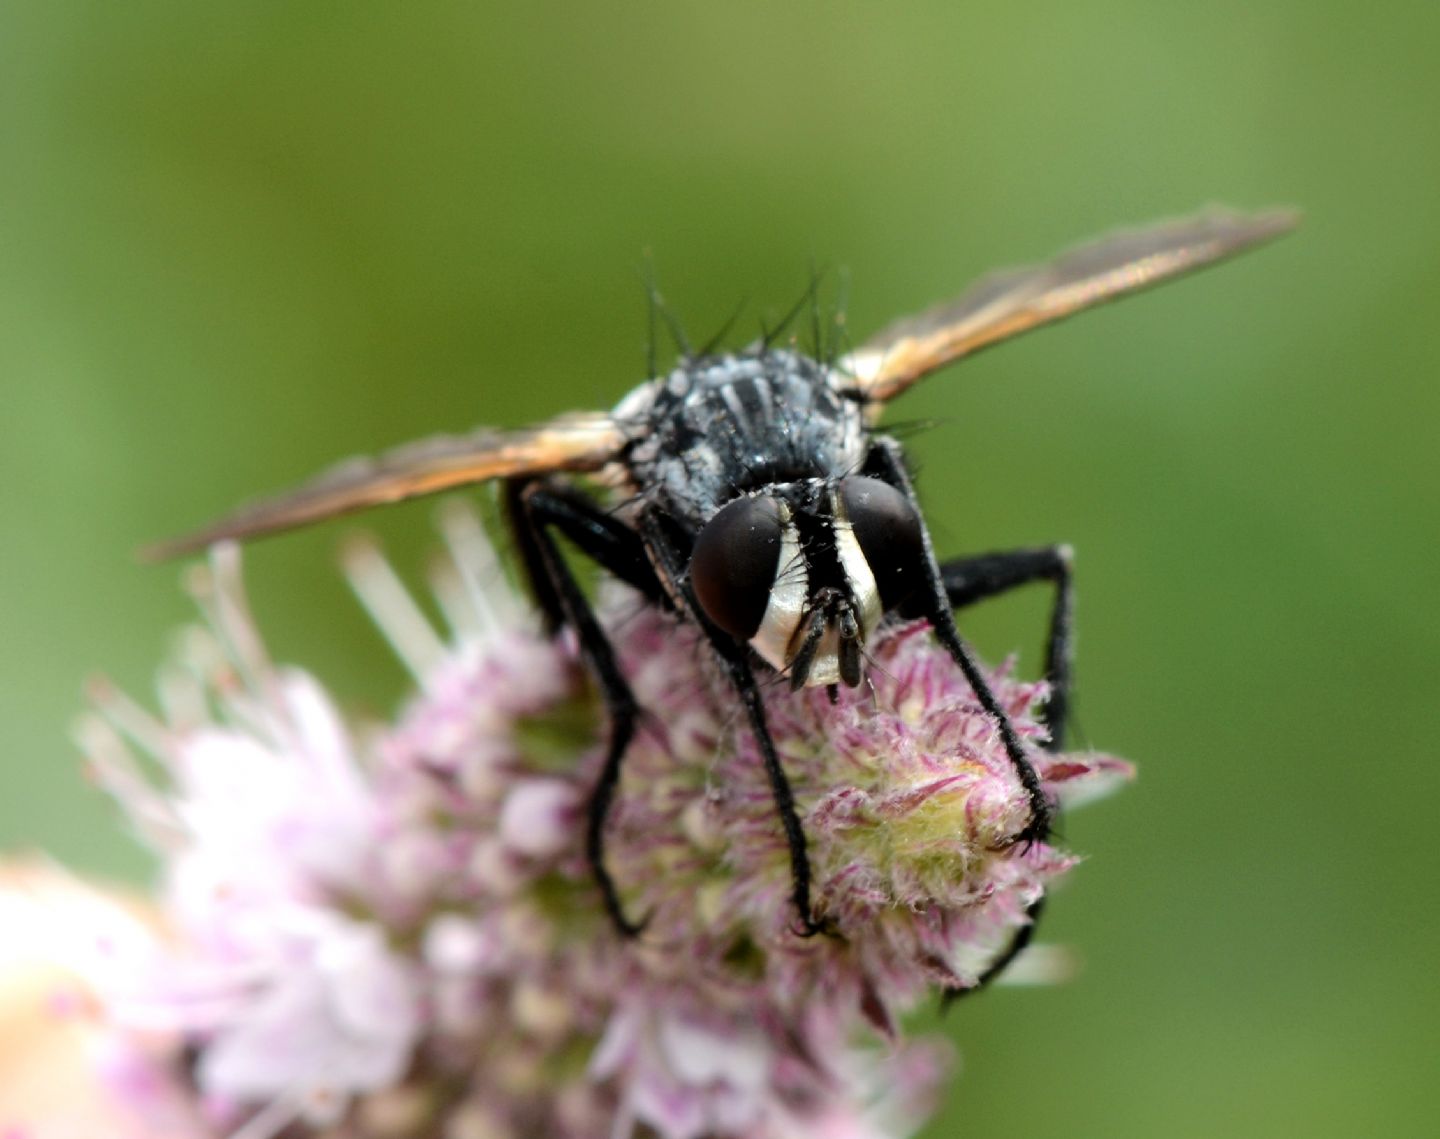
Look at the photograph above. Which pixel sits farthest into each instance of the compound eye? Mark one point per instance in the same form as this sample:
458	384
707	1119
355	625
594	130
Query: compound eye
733	564
890	536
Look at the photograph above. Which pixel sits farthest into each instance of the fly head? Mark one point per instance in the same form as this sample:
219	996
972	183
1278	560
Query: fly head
803	572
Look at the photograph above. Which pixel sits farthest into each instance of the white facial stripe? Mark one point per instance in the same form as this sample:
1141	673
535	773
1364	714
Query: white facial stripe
826	667
788	597
857	575
778	635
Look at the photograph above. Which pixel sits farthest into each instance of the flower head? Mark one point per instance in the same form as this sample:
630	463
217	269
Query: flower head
394	929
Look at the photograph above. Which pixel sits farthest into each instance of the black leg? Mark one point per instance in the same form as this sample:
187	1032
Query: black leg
1008	954
532	561
885	462
671	561
535	508
742	676
607	541
968	580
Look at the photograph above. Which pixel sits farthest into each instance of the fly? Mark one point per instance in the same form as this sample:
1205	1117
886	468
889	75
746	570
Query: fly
756	497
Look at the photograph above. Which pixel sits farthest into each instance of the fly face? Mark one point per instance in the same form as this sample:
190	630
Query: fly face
761	505
803	572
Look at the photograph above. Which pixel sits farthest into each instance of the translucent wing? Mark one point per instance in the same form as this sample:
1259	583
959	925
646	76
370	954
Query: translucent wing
576	442
1013	301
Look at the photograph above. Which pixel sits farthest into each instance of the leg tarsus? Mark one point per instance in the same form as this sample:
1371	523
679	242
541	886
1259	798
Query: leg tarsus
621	731
1017	946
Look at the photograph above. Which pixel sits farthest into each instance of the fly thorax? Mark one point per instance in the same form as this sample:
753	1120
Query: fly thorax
741	423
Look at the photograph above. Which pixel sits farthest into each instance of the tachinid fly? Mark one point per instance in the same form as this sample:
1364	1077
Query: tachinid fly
755	495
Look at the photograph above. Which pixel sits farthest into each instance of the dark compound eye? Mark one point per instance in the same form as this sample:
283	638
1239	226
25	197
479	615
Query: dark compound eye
733	564
890	537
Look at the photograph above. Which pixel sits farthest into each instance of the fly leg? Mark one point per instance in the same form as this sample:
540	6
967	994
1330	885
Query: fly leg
535	509
973	579
605	540
670	559
933	601
968	580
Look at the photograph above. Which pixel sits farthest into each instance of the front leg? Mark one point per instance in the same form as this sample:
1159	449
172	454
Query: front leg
885	462
670	561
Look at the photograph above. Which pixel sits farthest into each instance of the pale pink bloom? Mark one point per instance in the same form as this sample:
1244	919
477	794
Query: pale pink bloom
64	1072
333	1014
392	929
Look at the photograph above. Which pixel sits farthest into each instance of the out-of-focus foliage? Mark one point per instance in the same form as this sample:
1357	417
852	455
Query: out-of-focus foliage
237	242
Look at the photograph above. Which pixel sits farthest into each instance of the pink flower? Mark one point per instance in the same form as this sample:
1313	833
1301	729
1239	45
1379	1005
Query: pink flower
393	928
335	1014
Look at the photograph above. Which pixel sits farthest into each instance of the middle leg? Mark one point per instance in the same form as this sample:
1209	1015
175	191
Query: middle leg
974	579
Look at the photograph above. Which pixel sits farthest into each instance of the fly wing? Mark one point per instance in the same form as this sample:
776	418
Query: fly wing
1013	301
575	442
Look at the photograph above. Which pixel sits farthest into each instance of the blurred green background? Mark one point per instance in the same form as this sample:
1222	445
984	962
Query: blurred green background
237	242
